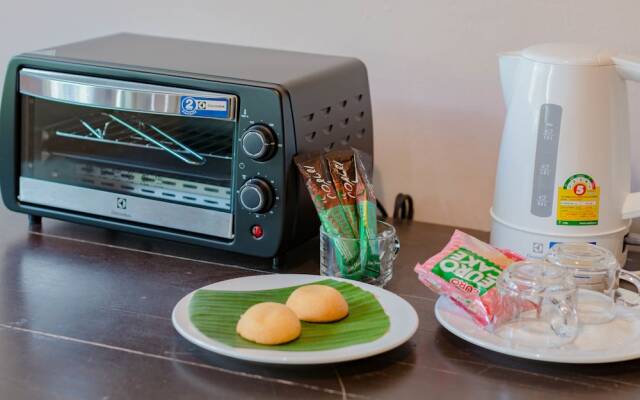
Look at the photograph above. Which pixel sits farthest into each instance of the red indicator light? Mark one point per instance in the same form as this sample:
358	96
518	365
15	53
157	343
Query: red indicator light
257	231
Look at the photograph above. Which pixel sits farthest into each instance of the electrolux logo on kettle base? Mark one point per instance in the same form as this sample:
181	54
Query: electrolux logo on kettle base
539	249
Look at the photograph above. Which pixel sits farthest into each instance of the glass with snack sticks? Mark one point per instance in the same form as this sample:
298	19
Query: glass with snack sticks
386	242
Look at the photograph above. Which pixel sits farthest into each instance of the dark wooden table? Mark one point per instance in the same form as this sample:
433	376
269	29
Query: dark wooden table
85	314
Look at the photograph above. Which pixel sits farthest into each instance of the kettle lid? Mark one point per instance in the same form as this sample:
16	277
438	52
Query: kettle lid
569	54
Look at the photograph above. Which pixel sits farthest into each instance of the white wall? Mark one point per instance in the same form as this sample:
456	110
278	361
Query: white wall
432	67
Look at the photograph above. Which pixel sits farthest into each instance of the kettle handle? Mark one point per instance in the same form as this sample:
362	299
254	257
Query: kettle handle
629	69
631	206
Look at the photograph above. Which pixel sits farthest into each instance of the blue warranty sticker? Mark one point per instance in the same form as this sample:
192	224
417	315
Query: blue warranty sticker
551	244
212	107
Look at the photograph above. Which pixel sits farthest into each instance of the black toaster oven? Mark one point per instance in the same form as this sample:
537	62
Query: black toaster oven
183	140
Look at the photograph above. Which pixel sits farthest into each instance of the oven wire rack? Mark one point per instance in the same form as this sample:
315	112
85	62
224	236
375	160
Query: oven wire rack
188	145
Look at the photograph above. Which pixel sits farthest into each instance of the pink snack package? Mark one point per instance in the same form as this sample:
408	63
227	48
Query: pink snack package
466	271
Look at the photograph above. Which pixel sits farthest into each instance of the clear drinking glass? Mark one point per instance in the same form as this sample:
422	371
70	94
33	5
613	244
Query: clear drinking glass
538	301
597	274
341	257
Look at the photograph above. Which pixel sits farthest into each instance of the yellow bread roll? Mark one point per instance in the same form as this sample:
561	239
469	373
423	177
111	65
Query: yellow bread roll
318	303
269	323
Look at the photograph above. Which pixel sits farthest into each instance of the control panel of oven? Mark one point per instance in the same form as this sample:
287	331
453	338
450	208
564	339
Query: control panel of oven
259	168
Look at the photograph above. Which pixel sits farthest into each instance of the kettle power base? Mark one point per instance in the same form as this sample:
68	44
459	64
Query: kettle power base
532	244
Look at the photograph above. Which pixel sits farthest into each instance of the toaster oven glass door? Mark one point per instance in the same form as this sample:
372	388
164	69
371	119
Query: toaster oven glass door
127	151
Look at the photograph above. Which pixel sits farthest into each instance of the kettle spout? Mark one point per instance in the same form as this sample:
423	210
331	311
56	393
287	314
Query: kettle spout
508	66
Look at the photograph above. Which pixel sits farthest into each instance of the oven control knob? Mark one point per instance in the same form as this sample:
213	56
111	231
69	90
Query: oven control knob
256	195
258	142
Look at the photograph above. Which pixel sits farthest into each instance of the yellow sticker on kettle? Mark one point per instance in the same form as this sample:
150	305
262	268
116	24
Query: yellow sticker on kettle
578	201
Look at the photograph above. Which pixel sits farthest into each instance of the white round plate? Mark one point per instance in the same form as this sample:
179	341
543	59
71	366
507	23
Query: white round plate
402	316
618	340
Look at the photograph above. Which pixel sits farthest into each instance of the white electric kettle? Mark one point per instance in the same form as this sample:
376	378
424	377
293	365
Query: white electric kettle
563	171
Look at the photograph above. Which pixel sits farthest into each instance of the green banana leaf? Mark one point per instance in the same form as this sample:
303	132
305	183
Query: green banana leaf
216	312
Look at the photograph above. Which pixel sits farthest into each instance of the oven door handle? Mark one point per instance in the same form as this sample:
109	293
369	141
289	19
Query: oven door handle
115	94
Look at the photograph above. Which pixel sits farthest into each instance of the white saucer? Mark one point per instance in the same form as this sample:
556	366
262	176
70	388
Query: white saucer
617	340
402	317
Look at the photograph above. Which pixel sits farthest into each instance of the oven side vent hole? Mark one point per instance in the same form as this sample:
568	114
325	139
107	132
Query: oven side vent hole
310	136
329	147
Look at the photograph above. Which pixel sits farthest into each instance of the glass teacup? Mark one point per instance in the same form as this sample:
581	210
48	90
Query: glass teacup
538	304
597	274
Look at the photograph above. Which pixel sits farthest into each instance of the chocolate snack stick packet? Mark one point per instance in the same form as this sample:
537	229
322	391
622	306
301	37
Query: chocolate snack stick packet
313	169
368	224
342	168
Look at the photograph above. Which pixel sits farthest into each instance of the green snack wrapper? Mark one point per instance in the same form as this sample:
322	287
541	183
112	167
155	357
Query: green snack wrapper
332	215
368	224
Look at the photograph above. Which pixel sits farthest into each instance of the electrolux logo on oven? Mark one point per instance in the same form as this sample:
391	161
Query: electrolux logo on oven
203	106
121	203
